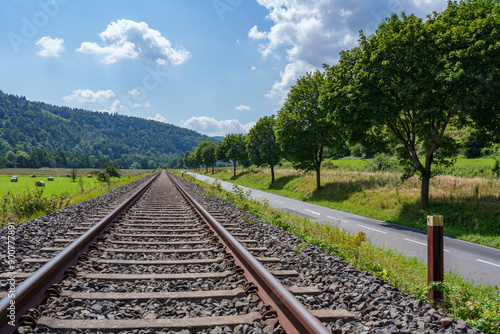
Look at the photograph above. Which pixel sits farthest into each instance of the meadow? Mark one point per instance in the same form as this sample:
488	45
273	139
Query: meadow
61	182
22	201
470	205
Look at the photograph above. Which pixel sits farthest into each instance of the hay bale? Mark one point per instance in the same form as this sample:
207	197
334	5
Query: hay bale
89	175
40	184
13	179
50	178
68	175
33	176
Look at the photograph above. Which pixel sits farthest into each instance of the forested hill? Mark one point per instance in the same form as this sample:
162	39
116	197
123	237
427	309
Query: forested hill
31	126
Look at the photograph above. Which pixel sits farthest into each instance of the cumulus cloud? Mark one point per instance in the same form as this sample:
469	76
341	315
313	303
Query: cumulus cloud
134	92
212	127
52	47
158	118
89	96
310	33
142	105
126	39
242	107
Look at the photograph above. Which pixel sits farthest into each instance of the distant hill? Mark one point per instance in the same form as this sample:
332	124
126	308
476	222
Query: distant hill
30	126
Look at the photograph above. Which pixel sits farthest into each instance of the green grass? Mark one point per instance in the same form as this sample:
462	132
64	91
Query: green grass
470	206
22	201
61	182
477	304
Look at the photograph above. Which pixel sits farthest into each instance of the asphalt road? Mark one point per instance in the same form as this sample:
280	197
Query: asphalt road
476	262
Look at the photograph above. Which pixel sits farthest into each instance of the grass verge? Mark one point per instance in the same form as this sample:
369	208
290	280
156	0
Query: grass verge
470	206
479	305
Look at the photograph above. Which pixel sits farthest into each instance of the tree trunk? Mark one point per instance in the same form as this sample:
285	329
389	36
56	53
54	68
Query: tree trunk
318	178
206	168
234	168
212	168
424	192
272	174
318	167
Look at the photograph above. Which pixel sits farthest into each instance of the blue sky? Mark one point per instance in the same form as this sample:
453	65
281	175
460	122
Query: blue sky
214	66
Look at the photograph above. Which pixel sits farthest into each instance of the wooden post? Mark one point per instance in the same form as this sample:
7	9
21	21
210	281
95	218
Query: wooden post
435	262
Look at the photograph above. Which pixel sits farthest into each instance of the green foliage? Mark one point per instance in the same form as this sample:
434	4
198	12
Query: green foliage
30	126
205	153
112	171
233	149
415	78
263	149
103	176
30	202
303	128
496	167
382	163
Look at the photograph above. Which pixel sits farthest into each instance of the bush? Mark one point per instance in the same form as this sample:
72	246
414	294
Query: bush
382	163
28	203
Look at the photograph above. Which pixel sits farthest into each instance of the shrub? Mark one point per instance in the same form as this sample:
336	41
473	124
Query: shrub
382	163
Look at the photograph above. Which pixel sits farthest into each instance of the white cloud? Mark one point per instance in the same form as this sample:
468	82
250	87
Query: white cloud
116	107
52	47
158	118
288	78
254	33
134	92
242	107
89	96
310	33
142	105
253	68
212	127
126	39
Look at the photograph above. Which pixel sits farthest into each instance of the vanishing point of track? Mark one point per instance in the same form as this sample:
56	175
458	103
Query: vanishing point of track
159	234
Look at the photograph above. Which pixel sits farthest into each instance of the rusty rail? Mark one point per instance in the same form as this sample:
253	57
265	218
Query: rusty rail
33	290
292	315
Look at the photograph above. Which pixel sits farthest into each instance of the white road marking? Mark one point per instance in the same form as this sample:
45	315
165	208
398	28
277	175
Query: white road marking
316	213
422	243
278	201
493	264
345	221
417	242
369	228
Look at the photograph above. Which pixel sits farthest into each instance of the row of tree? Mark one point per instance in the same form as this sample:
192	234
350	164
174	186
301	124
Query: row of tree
402	87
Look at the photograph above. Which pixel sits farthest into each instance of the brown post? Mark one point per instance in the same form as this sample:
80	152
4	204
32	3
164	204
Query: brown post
435	262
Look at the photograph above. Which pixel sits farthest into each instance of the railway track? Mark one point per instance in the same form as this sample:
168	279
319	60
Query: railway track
159	262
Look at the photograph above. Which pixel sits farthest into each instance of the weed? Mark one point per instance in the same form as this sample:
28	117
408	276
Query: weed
299	247
248	220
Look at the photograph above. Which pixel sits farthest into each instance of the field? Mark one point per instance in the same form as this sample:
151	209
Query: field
61	182
22	201
470	206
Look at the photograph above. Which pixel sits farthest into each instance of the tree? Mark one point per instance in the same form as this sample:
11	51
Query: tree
303	129
74	173
232	149
188	159
205	152
11	159
414	78
262	147
112	171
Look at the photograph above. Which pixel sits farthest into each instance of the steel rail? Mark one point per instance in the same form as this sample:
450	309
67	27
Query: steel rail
31	292
292	315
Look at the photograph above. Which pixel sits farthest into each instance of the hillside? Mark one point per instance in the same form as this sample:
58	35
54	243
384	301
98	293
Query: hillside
30	126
